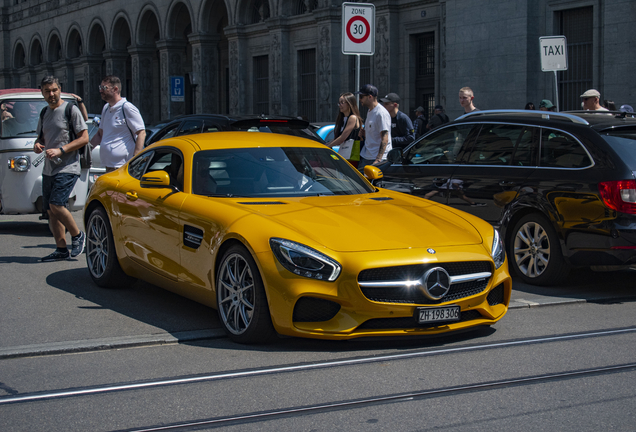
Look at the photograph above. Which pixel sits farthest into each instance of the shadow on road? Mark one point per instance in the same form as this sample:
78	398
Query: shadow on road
140	301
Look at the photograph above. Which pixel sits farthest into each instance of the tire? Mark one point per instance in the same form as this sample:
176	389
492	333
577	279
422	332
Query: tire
241	300
101	256
535	252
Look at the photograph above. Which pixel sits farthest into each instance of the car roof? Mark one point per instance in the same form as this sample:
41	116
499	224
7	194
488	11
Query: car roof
230	140
586	118
25	93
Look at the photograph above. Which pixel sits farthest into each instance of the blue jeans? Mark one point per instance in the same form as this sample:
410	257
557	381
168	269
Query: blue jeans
56	189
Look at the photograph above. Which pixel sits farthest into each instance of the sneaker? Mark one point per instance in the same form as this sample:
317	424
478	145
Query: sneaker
78	244
56	256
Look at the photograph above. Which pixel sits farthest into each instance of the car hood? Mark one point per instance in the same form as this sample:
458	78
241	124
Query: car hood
369	222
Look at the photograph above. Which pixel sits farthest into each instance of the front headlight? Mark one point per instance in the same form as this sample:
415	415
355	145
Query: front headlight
19	163
498	252
304	261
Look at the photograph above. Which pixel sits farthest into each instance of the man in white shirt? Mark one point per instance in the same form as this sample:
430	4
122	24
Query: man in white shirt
121	131
377	129
591	100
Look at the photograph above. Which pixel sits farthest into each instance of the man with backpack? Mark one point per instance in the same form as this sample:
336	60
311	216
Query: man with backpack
60	139
121	131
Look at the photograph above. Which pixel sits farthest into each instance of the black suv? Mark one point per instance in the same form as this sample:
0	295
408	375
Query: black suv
561	187
203	123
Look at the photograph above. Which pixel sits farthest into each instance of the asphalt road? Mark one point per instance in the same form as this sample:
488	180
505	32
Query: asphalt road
77	357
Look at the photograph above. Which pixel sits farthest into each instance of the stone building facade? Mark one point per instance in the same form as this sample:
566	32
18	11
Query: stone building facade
284	56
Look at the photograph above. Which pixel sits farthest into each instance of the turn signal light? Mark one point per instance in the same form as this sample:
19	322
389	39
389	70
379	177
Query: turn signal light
619	195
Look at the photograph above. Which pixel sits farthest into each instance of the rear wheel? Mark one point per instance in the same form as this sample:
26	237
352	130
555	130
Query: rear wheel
241	299
536	252
101	256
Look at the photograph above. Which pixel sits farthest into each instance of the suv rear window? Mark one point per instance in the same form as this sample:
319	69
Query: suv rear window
624	146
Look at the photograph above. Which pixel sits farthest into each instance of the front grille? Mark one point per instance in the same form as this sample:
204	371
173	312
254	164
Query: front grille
410	322
496	296
400	294
311	309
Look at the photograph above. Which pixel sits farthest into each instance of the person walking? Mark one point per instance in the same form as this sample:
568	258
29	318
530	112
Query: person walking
466	98
61	167
377	129
121	131
591	100
402	131
348	122
438	119
546	105
420	122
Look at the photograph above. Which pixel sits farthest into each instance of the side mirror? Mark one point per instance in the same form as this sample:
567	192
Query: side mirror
372	172
395	156
156	179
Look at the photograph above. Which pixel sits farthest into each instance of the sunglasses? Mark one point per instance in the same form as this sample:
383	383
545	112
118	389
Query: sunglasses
102	88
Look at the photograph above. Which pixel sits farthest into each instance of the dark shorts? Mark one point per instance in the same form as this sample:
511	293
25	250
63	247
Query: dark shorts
56	189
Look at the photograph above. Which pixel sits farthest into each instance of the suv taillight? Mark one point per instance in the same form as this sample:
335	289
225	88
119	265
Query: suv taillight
619	195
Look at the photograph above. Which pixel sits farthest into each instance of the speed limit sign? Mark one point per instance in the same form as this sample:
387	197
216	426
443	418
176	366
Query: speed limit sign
358	28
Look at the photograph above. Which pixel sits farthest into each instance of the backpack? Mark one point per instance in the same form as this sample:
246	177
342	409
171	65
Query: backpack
84	152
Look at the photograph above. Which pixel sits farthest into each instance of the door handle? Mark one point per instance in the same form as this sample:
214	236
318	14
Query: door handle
131	195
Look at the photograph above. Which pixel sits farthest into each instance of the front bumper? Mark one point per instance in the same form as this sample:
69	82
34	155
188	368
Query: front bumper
341	309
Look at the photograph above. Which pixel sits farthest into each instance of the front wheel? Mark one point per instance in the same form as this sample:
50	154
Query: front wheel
101	256
536	253
241	299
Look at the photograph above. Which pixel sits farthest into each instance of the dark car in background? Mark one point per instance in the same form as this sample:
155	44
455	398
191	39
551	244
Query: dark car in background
560	187
203	123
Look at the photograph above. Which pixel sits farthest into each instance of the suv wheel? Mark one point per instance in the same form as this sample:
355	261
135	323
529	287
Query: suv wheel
535	252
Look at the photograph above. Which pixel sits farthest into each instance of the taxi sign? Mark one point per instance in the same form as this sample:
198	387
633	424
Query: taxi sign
553	53
358	28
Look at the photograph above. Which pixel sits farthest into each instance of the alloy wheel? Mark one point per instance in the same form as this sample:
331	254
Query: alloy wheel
97	245
236	293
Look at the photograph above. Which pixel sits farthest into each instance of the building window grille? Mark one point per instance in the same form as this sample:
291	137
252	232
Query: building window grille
576	25
424	73
307	84
261	85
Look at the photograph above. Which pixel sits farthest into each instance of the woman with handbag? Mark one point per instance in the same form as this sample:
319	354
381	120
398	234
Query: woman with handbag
348	124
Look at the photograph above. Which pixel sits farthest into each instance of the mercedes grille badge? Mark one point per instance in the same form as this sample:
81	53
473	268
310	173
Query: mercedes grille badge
436	283
430	250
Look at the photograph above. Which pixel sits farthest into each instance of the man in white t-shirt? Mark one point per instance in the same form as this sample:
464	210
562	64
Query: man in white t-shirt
591	100
377	129
121	131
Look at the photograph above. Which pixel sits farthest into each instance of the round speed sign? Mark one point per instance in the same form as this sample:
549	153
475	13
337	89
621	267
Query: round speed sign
358	29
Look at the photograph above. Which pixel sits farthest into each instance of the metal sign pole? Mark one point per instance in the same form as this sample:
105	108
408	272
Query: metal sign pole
358	78
556	90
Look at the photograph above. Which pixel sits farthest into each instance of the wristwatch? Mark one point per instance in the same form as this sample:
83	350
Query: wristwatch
79	101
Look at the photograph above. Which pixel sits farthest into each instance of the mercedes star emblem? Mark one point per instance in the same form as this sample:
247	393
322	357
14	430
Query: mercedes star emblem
436	283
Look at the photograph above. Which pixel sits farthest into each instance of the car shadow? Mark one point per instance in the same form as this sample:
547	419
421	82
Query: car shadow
25	228
585	284
140	301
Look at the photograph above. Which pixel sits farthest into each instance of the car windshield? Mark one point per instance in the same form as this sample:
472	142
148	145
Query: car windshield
282	129
275	172
20	117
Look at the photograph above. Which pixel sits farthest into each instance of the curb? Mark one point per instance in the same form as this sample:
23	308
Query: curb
108	343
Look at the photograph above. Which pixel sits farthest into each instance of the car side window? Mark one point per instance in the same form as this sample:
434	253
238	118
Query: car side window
171	162
191	127
440	147
499	144
137	166
560	150
168	132
209	126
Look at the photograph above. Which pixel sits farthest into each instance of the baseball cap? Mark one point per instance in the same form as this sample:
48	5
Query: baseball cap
545	104
627	108
419	109
591	93
391	97
368	90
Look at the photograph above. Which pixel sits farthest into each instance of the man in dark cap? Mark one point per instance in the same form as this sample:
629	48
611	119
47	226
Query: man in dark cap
377	129
420	122
402	132
438	119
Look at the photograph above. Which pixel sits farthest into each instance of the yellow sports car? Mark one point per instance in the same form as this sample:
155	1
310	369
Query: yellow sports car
281	235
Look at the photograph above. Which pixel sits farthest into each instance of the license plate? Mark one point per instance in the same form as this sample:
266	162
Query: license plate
437	314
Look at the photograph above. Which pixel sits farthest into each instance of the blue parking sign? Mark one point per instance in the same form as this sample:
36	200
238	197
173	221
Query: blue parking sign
177	89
